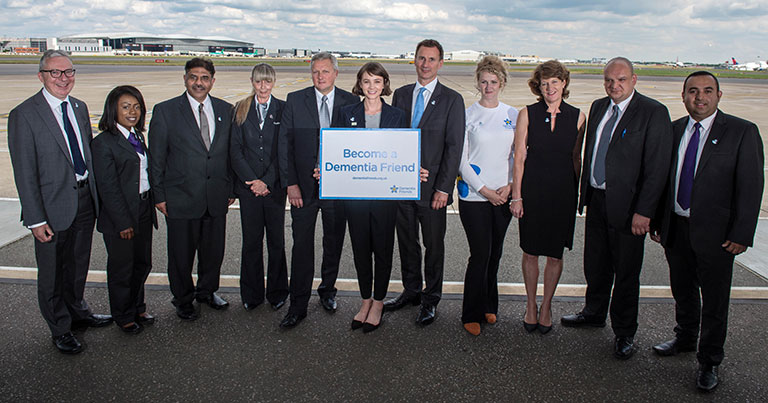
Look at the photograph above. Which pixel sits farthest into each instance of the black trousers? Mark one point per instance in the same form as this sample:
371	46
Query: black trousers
410	216
204	236
303	253
129	262
258	214
701	285
372	232
62	267
486	226
613	257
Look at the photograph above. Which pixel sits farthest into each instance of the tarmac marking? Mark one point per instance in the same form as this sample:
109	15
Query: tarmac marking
449	287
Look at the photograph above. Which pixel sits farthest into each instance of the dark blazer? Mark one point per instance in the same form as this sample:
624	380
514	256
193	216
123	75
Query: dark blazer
300	138
116	166
183	173
637	161
727	188
42	166
442	137
391	117
253	150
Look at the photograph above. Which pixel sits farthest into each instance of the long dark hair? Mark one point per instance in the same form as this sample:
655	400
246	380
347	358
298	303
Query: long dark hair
108	121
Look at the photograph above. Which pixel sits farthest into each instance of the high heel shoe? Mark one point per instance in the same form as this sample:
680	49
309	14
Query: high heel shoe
545	329
530	327
356	324
369	327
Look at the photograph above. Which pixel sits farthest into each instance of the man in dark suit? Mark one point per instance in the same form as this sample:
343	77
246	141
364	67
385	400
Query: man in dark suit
708	216
439	112
192	185
629	143
48	139
306	112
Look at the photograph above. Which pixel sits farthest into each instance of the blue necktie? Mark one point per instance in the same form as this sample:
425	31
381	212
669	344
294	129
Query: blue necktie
602	148
418	110
685	186
74	146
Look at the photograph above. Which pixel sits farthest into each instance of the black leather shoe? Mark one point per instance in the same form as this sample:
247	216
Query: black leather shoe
133	328
95	320
580	320
328	303
369	327
427	314
624	347
544	329
706	377
674	346
249	306
278	305
291	320
145	319
214	301
401	301
530	327
67	343
187	312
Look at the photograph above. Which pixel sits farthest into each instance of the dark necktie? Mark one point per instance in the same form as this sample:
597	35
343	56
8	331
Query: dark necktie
602	148
685	186
136	143
74	146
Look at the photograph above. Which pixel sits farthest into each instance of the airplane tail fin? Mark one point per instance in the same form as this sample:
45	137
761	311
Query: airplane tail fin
734	61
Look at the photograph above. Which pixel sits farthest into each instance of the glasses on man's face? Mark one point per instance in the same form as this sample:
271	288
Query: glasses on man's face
55	73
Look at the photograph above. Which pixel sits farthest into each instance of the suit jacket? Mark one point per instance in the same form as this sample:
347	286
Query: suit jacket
637	160
727	188
300	138
442	137
117	166
42	165
189	178
253	150
391	117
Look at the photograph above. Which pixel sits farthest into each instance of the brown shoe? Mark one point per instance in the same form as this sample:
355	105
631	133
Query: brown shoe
490	318
473	328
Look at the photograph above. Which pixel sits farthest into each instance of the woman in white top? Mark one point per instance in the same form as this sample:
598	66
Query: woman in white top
484	187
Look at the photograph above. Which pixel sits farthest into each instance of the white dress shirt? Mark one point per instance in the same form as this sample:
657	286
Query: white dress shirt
258	109
208	109
143	177
622	108
55	105
706	127
430	88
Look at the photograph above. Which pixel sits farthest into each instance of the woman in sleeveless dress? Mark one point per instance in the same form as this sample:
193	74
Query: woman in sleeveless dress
548	141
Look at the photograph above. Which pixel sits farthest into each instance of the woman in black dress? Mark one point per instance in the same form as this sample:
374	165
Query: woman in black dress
548	141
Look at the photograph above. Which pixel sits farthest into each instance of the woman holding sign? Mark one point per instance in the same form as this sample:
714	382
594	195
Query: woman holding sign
371	222
484	186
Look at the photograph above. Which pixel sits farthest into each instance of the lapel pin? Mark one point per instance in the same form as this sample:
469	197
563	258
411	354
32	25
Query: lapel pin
354	123
270	116
219	118
714	141
623	133
352	119
546	120
433	103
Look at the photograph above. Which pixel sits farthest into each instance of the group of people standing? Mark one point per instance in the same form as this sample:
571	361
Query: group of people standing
694	185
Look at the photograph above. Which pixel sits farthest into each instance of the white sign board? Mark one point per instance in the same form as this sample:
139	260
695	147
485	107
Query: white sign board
372	164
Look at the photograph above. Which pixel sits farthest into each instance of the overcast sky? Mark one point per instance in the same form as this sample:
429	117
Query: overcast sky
651	30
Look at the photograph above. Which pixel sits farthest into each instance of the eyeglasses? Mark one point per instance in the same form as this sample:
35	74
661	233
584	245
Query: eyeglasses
57	73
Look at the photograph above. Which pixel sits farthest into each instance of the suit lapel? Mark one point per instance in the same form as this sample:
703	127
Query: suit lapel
252	119
715	136
678	130
311	104
46	115
597	116
387	115
434	100
626	117
218	118
83	123
185	110
408	100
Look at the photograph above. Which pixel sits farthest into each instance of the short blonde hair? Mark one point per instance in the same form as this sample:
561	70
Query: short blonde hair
494	65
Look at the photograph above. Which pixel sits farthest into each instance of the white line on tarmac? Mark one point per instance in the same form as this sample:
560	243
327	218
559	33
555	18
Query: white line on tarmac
449	287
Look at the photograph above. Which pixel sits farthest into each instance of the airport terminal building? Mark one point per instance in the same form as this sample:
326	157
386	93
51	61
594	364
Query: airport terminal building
128	42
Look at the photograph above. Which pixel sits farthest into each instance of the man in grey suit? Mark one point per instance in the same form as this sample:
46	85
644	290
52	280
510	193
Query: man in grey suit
48	139
709	216
439	112
628	145
192	185
306	112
